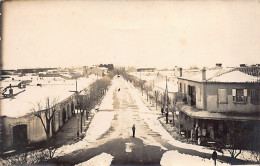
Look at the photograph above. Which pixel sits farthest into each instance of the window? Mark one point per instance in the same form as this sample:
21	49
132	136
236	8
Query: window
184	86
255	96
239	95
222	96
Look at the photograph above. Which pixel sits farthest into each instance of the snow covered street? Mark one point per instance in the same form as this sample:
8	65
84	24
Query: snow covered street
110	139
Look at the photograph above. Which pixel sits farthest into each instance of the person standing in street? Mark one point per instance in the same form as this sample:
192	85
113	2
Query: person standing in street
133	128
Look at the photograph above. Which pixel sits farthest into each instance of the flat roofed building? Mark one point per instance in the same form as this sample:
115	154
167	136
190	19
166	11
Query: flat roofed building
17	115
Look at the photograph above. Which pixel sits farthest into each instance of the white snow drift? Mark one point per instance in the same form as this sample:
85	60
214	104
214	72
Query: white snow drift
103	159
98	126
174	158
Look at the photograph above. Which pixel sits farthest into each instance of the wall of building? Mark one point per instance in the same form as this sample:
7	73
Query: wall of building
214	106
207	96
199	91
35	129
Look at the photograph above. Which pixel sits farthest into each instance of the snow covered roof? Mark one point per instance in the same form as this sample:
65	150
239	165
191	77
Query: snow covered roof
103	68
148	76
171	86
221	75
234	76
24	102
168	73
66	75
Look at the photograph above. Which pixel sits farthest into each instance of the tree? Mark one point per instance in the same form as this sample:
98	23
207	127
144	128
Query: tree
156	95
230	138
255	155
234	138
141	85
46	116
109	66
93	95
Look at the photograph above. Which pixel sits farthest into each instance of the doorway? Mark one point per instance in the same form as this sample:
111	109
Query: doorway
20	139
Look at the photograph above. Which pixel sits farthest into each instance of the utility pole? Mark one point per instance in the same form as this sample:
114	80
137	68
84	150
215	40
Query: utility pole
77	99
167	108
166	93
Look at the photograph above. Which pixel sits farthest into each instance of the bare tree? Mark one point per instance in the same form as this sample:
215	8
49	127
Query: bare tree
156	95
141	84
46	116
255	155
93	96
234	139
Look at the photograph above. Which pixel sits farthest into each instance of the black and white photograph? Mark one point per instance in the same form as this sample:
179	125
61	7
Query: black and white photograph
130	82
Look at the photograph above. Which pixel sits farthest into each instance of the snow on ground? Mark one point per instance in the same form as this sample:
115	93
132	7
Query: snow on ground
103	159
245	155
106	102
128	146
152	121
174	158
100	123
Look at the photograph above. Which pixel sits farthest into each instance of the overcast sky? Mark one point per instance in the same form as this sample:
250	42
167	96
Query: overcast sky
139	33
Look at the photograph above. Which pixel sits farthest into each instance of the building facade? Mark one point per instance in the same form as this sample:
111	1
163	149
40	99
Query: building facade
212	100
29	129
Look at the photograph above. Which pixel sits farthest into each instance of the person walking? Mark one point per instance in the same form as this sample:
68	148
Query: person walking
133	128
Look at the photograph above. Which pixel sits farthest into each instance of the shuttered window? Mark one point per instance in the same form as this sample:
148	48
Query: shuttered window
222	96
255	96
239	95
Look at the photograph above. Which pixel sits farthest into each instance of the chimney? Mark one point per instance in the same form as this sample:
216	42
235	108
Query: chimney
180	72
203	74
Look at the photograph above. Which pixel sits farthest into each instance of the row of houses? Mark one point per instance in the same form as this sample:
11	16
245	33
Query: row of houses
19	124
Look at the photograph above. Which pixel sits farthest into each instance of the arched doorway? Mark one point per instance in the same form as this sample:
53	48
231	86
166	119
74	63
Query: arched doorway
20	139
63	116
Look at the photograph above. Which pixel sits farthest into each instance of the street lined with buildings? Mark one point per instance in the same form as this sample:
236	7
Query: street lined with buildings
151	140
177	115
